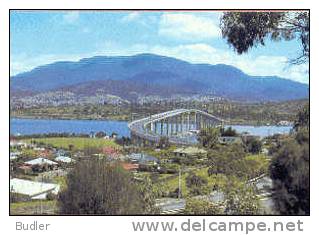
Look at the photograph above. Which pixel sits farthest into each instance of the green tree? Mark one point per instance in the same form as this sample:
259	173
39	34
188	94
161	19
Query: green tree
208	138
197	185
244	30
100	134
303	119
201	207
228	160
163	142
96	187
289	169
240	199
71	147
228	132
149	193
253	145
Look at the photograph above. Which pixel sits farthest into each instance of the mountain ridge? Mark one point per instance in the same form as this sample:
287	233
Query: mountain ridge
149	74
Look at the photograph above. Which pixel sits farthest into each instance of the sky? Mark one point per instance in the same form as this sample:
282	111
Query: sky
43	37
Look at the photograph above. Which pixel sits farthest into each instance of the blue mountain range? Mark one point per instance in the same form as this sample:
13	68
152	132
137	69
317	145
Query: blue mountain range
149	74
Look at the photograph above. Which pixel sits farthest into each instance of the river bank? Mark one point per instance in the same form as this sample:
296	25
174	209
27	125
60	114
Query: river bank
24	126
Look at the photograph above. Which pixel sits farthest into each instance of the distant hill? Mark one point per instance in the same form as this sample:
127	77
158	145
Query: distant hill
148	74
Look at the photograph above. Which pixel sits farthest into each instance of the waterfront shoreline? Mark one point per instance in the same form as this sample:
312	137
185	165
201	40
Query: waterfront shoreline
251	123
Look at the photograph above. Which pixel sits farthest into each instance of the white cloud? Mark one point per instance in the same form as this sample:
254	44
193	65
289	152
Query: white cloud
71	17
188	27
23	63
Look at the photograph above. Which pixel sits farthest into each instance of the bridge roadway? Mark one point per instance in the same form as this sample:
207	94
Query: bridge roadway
139	128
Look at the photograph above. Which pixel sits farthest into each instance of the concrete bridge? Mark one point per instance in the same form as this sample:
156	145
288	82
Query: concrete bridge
180	126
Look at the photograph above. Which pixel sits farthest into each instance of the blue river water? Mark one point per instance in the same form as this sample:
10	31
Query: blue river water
43	126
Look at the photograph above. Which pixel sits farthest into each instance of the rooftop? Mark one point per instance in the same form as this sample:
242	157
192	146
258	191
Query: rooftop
32	188
40	161
190	150
64	159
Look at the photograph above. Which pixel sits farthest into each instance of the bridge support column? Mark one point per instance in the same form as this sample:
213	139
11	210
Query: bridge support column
152	126
173	125
201	122
161	127
195	121
176	125
182	125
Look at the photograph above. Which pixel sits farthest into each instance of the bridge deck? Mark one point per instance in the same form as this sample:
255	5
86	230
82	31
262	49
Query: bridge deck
139	127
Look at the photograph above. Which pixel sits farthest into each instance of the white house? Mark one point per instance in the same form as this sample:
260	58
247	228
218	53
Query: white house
64	159
40	161
33	189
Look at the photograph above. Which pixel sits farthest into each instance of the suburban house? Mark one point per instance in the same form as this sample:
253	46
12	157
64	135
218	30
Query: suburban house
189	152
26	190
14	155
41	164
64	159
142	158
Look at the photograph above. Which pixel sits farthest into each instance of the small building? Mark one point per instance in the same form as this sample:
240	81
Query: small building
31	190
265	151
39	149
229	140
18	144
24	169
14	155
285	123
113	135
41	164
64	159
143	158
190	152
40	161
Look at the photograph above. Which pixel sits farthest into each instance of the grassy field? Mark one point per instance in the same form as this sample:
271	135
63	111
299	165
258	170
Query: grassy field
33	208
78	143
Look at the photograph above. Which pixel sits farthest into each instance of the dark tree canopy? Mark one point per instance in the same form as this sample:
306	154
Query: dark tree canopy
196	184
253	145
96	187
227	160
303	119
289	170
208	138
228	132
240	198
290	173
244	30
